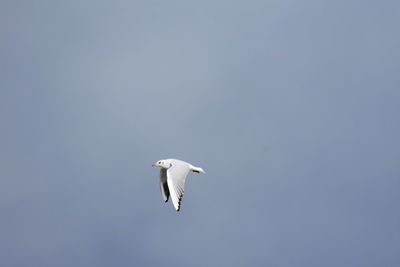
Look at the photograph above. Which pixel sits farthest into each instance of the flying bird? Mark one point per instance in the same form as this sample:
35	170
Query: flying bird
173	174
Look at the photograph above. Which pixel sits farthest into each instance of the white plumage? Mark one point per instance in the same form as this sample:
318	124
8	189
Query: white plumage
173	174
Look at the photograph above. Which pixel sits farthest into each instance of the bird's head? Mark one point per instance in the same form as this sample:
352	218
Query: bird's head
162	164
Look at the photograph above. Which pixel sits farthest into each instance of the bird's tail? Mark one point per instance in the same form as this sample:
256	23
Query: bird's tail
196	169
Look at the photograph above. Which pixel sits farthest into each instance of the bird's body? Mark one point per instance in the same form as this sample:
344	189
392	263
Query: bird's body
173	174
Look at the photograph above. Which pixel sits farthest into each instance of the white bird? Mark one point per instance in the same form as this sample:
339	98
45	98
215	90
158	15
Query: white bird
173	174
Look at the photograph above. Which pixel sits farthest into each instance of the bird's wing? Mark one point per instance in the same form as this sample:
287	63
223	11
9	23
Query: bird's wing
163	184
176	176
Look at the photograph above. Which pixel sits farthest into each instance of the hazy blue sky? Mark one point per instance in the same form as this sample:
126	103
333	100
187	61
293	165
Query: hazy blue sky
291	107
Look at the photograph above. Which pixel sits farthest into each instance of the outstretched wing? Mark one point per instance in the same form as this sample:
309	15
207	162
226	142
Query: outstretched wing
176	176
163	184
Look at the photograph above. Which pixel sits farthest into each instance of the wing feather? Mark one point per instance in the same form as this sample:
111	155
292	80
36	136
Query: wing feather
163	185
176	176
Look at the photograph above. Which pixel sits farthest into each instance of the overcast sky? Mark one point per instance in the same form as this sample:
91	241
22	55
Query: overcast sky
291	107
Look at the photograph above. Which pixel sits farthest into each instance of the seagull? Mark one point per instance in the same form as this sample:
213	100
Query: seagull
173	173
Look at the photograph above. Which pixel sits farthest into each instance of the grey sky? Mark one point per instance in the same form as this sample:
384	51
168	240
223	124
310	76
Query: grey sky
292	108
